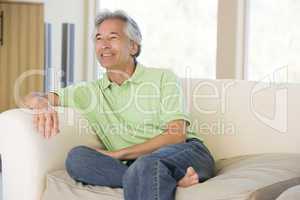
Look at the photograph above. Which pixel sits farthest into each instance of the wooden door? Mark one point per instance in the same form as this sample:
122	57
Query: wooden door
21	51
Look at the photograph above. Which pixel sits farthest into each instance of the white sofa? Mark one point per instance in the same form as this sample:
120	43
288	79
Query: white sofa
251	128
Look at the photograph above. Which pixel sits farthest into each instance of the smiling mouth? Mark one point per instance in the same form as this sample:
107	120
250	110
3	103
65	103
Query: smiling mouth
106	55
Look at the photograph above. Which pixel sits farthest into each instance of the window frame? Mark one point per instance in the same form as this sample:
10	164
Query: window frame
232	28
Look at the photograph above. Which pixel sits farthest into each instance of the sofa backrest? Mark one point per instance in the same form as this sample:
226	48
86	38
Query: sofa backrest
236	117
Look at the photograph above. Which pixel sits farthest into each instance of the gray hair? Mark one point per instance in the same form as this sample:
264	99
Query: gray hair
132	30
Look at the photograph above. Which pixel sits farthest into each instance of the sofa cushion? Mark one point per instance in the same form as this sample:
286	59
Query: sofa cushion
60	184
292	193
236	179
272	191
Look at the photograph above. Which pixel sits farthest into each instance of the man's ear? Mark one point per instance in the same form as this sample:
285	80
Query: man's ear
133	48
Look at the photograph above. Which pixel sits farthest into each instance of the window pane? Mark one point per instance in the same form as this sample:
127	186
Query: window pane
273	40
180	35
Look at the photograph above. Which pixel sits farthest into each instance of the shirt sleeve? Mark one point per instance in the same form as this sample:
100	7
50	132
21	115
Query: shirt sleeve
76	96
61	93
172	103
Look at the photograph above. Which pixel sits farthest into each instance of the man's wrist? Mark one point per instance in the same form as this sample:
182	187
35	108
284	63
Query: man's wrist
41	102
34	101
122	153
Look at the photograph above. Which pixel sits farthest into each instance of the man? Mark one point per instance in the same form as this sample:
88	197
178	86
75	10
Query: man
139	115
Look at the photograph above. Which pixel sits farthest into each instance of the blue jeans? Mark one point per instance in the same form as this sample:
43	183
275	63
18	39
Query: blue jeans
151	176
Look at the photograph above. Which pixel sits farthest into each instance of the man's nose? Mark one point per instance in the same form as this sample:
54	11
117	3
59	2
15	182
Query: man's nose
106	44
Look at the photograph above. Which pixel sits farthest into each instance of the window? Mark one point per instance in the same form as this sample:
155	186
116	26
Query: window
180	35
273	40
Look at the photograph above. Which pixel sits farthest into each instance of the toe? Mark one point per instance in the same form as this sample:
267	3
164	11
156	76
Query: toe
190	171
195	176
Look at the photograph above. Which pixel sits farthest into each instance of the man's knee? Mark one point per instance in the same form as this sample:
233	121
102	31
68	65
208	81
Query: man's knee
76	160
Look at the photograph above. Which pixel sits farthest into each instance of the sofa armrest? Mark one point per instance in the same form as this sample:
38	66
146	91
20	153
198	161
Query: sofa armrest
27	156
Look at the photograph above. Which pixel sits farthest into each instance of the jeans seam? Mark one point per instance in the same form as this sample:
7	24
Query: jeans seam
156	182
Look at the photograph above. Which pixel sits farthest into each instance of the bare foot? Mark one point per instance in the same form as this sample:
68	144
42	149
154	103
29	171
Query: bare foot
189	179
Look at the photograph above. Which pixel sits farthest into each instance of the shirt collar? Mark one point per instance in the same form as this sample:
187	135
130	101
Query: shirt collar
135	78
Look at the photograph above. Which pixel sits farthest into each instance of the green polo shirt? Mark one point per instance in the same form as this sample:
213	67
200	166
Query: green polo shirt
133	112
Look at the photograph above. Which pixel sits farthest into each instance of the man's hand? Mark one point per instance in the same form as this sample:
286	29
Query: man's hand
45	117
46	121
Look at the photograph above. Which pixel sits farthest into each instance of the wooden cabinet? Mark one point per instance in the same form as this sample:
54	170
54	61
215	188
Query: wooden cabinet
21	51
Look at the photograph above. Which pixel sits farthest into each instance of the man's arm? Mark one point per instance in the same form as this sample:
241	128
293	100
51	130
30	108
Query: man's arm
171	108
175	133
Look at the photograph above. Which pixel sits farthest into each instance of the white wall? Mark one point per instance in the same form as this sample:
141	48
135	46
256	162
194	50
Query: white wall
66	11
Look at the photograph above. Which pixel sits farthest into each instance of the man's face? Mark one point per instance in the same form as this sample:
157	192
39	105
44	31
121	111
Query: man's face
113	47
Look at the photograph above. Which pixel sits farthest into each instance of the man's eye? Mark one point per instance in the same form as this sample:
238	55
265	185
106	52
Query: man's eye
98	38
113	37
